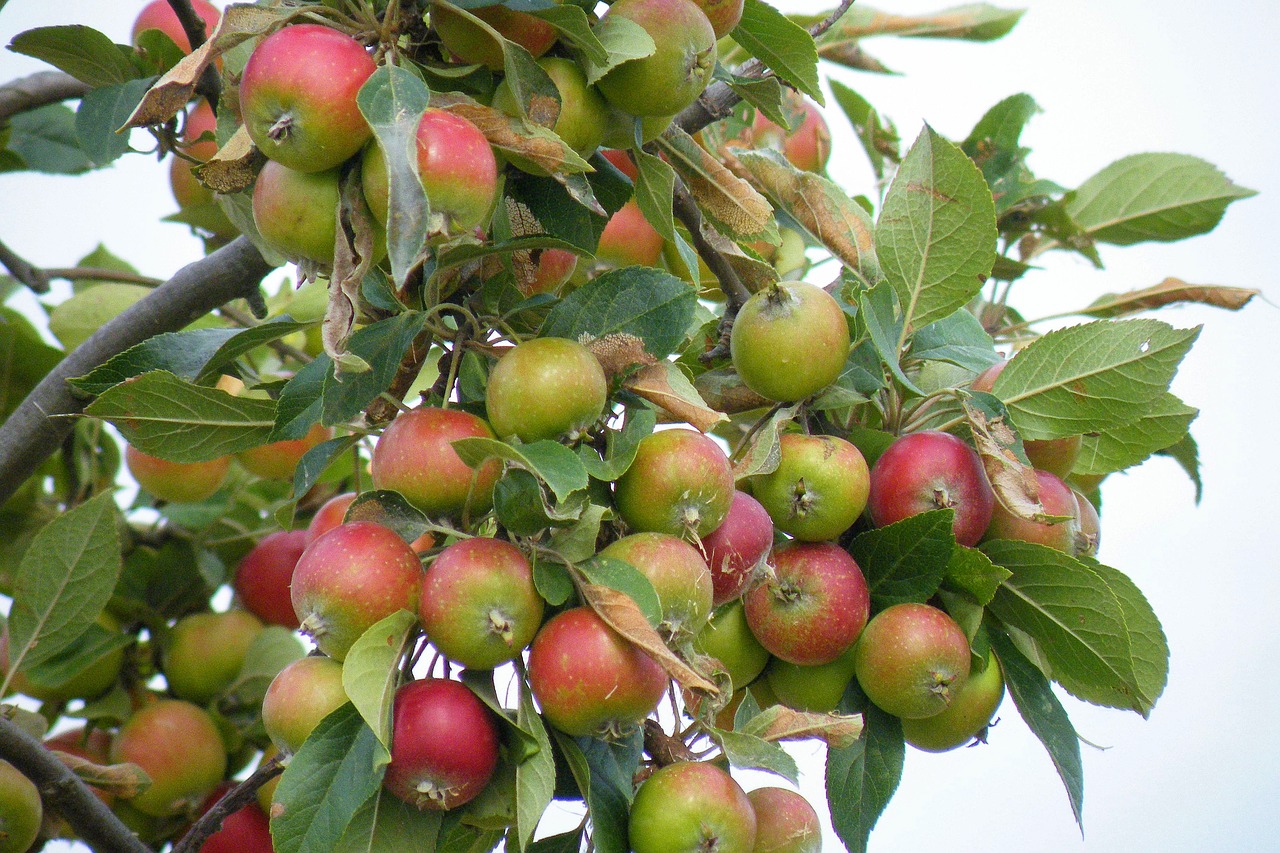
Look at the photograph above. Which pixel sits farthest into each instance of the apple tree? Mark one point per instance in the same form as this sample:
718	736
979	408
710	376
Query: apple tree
594	442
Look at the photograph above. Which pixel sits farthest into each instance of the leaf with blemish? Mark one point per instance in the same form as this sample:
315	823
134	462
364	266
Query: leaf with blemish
1171	291
1003	458
125	781
728	202
512	135
780	723
234	167
970	22
666	386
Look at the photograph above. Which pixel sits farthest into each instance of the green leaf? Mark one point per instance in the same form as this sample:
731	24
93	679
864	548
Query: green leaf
559	214
1160	197
391	510
565	842
45	139
748	752
273	649
906	560
627	579
371	670
240	342
1091	378
781	45
1099	634
79	655
25	359
879	137
972	571
300	403
75	320
316	461
881	315
382	345
1044	715
654	188
613	766
337	770
83	52
535	775
936	235
958	339
553	582
994	145
1187	455
65	579
623	40
175	420
551	462
102	113
392	101
620	445
521	504
862	778
386	822
1163	424
575	31
651	304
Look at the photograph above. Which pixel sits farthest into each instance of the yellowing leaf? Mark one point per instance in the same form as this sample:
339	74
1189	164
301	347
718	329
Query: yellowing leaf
780	723
1171	291
515	136
729	202
125	781
664	385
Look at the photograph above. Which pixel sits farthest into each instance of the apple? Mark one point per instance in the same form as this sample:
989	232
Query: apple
205	651
264	574
479	606
588	680
680	482
723	15
177	482
819	488
21	811
583	115
444	744
911	660
188	192
691	807
812	606
629	240
622	161
737	547
1058	500
789	341
674	75
350	578
159	15
811	688
297	212
1055	455
545	388
970	711
474	46
807	146
298	96
785	822
415	457
727	638
540	271
678	573
930	470
299	697
279	459
178	745
246	830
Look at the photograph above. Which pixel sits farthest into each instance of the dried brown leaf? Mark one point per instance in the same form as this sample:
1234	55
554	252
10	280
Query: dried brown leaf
664	385
723	391
622	615
123	780
352	258
726	200
619	352
1013	480
779	723
513	135
234	167
1171	291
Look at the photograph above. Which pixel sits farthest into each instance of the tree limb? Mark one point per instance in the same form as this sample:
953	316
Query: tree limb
66	793
23	270
36	428
38	90
237	798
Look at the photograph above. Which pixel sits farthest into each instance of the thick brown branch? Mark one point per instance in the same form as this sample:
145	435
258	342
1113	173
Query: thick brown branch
65	793
38	90
237	798
36	428
193	25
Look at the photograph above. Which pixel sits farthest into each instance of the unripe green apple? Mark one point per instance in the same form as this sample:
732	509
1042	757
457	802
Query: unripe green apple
678	573
971	709
789	341
205	652
545	388
819	488
728	639
21	811
583	116
671	78
811	688
179	482
691	807
296	212
300	696
680	481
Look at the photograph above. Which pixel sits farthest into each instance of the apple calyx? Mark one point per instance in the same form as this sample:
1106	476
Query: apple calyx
314	626
942	498
280	131
500	624
802	501
431	795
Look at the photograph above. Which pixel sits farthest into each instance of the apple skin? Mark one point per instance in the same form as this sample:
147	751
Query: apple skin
179	747
737	547
911	660
296	212
930	470
1057	499
21	811
298	97
300	696
628	240
545	388
444	745
723	15
264	574
588	680
672	78
678	573
812	607
679	482
177	482
475	47
246	830
690	807
414	457
479	606
583	116
187	189
807	146
819	488
205	652
279	459
789	341
727	638
970	711
811	688
350	578
159	15
785	822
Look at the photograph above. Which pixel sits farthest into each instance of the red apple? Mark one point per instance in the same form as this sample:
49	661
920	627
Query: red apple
279	459
1058	500
678	573
264	574
930	470
807	146
178	745
785	822
629	240
159	15
474	46
415	457
246	830
737	547
911	660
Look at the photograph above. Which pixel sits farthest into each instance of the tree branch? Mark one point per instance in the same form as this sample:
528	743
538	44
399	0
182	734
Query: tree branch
66	793
36	428
23	270
237	798
38	90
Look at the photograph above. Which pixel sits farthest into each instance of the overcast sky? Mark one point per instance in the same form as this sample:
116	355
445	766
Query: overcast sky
1113	78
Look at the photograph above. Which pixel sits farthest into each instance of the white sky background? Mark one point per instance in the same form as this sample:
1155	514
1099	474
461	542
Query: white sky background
1113	78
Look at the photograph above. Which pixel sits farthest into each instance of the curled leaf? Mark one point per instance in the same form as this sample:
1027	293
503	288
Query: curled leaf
1171	291
234	167
664	385
726	200
125	781
619	352
352	260
780	723
512	135
1012	477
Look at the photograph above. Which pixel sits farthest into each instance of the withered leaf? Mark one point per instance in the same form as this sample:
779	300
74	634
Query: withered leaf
620	352
234	167
1171	291
664	385
779	723
731	204
123	780
1012	479
511	135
